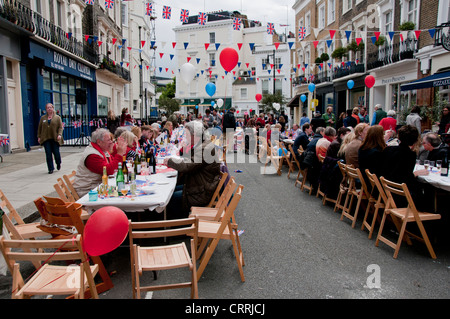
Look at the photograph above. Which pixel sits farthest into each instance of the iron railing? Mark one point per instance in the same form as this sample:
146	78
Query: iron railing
392	53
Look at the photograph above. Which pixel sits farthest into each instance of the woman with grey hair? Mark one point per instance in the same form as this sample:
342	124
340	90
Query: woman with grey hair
199	169
389	122
96	156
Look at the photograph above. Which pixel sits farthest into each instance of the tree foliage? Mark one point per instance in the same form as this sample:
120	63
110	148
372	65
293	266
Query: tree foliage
167	99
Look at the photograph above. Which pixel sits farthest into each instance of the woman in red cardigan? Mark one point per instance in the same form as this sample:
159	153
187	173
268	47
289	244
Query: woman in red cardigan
389	122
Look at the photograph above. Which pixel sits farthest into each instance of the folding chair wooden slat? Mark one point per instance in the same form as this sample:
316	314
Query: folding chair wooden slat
293	161
211	232
405	215
354	174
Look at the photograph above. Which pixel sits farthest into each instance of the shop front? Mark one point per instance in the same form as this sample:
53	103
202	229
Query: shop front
66	81
346	98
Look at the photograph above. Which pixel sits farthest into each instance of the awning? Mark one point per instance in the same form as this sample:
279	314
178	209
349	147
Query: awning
435	80
294	102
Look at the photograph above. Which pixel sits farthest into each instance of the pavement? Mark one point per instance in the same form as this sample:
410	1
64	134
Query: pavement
294	247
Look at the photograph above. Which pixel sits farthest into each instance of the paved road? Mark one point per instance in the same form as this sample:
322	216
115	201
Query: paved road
294	248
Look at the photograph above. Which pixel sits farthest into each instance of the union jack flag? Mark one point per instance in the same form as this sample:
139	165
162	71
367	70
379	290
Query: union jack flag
237	24
301	33
89	1
109	4
148	9
167	12
270	28
4	140
184	15
202	18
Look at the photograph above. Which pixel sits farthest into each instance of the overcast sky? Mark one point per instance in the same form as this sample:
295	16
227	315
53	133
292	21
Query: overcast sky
278	12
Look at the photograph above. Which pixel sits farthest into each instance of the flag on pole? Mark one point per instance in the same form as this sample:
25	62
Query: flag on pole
270	28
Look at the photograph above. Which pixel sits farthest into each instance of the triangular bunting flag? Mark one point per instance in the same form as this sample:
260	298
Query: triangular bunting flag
290	44
217	46
358	41
403	35
186	45
332	32
316	32
329	42
347	34
188	58
142	43
174	44
391	34
374	39
152	44
198	60
114	41
417	32
161	55
172	56
315	43
100	43
252	45
86	37
277	44
377	35
247	64
206	46
239	45
432	32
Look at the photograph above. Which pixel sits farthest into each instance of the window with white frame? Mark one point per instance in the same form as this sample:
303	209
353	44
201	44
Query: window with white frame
322	16
308	23
388	21
125	14
331	11
265	86
212	37
411	11
212	59
243	93
346	5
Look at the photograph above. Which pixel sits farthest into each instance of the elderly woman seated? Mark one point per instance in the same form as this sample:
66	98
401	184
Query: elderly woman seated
199	171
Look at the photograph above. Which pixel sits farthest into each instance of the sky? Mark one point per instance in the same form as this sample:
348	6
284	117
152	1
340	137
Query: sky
278	12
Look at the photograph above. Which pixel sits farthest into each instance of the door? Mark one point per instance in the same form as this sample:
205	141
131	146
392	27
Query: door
12	115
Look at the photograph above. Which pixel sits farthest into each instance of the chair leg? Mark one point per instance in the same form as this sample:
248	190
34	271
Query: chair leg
237	252
356	211
426	239
400	239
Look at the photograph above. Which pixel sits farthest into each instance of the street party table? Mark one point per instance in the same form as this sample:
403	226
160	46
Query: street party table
434	178
158	188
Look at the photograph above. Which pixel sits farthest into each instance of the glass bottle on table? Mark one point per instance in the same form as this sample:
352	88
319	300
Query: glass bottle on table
133	184
120	181
137	164
444	167
125	170
105	177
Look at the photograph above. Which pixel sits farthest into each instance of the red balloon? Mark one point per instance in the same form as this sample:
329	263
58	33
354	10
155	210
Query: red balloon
105	230
370	81
237	112
228	58
258	97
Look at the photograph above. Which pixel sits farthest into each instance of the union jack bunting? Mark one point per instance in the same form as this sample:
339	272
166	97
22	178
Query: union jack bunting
4	140
202	18
109	4
237	24
301	33
89	1
167	12
184	15
148	9
270	28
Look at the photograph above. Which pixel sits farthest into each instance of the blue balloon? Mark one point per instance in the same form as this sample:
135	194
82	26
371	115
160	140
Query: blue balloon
303	98
212	103
350	84
210	89
311	87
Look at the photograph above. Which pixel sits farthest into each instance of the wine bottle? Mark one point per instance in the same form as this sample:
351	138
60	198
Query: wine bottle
125	170
153	160
120	182
444	167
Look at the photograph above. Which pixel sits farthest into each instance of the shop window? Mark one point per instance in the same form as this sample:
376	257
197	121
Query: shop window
56	86
64	84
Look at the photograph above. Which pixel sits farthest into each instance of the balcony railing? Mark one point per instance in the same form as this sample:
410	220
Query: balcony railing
392	53
441	38
108	64
25	18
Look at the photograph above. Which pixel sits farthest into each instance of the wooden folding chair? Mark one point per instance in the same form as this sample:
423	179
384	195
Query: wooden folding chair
375	202
286	156
164	257
63	191
263	149
304	179
62	220
211	232
273	158
320	192
405	215
69	179
343	187
354	174
50	279
15	225
217	192
293	161
215	213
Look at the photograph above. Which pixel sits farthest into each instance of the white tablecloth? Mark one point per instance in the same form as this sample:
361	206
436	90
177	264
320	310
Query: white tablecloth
163	185
434	178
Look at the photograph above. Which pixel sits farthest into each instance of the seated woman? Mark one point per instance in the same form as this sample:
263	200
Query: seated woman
351	150
168	128
132	143
370	152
